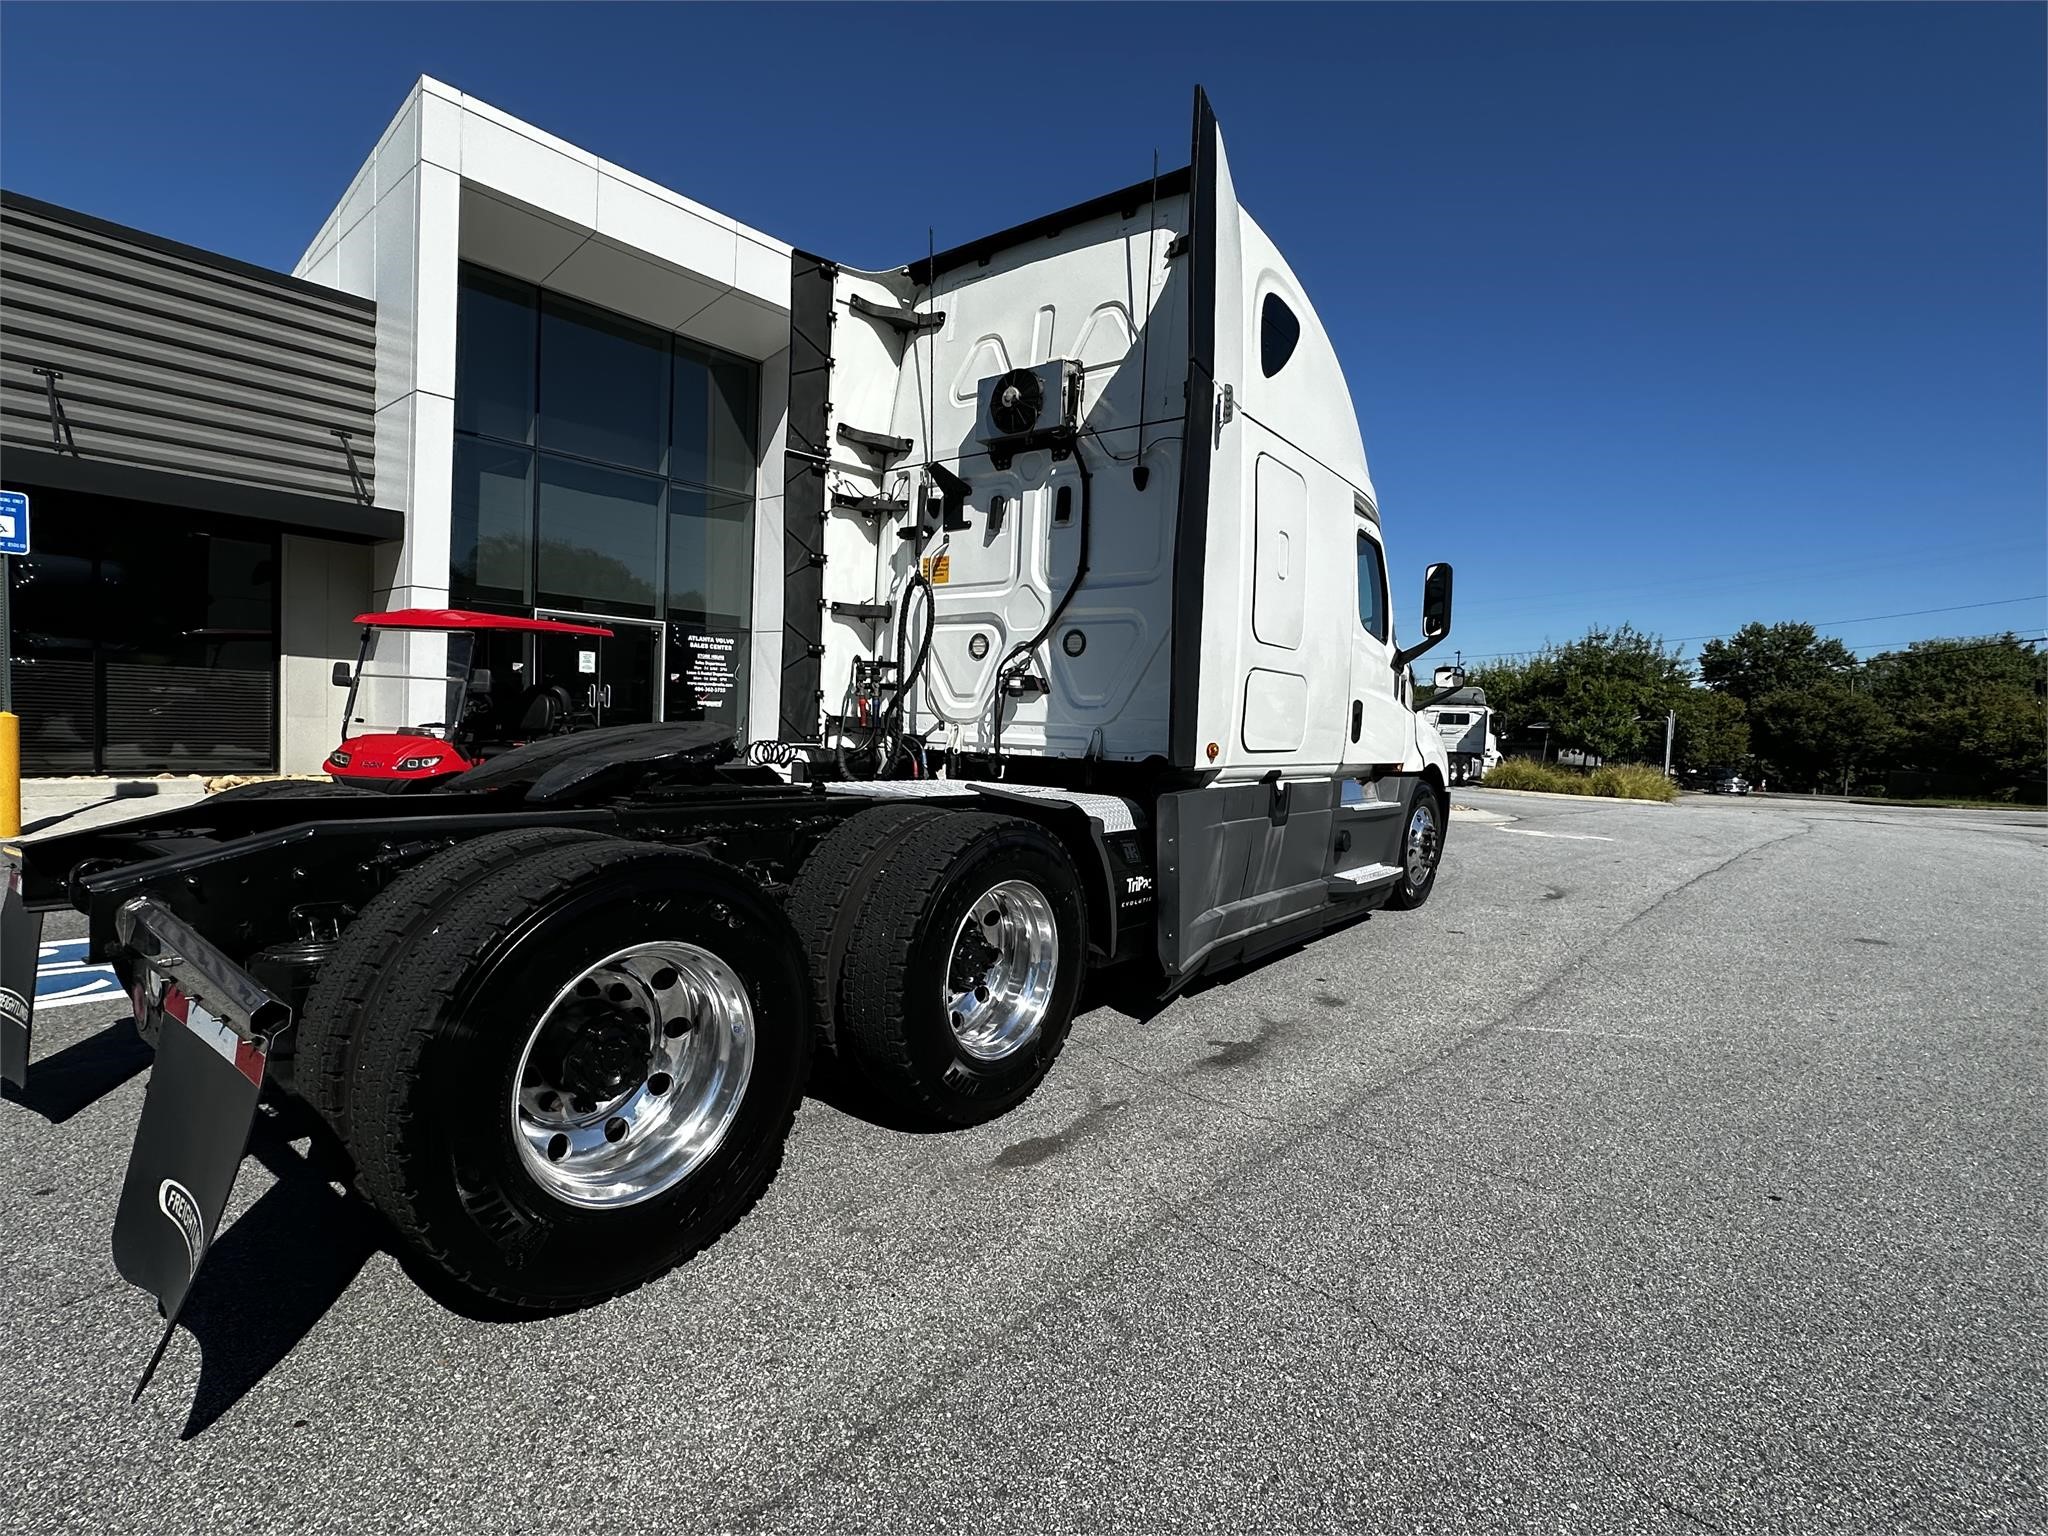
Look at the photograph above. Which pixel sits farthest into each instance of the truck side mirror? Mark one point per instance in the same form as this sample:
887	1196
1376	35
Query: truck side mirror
1436	602
1449	679
342	676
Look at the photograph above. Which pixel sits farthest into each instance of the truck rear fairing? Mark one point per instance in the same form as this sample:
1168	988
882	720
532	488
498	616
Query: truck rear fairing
1193	459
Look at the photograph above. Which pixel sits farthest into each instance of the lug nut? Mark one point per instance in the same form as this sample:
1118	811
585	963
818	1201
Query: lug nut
558	1147
659	1083
614	1128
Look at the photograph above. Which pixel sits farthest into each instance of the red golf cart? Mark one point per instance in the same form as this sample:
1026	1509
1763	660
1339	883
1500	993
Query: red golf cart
483	708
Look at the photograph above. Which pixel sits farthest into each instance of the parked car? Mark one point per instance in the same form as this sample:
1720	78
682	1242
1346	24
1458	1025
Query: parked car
1728	784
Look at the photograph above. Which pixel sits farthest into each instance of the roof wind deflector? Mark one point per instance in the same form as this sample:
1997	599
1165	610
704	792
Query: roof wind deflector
907	321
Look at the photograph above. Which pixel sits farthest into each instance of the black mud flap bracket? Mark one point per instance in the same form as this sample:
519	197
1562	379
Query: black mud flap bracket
215	1024
21	942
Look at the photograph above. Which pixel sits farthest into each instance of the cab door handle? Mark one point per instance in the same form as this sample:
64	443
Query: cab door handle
1357	717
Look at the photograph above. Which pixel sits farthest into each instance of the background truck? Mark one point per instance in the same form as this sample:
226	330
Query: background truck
1459	714
1090	661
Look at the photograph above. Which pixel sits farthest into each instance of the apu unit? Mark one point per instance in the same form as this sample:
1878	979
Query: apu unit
1026	408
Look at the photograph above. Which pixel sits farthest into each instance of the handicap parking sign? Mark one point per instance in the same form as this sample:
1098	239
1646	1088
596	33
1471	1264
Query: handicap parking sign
13	523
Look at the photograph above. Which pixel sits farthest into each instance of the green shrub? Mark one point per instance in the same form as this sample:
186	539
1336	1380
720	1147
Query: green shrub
1526	773
1625	781
1633	781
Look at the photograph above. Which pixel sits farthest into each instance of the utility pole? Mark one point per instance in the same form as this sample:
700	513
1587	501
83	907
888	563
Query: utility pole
1670	731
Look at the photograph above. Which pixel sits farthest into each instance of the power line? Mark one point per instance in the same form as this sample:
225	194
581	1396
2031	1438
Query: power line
1871	618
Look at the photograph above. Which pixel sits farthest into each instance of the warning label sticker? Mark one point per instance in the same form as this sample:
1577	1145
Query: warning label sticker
938	572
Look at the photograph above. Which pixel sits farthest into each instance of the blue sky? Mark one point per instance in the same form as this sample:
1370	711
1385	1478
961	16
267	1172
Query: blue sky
1673	315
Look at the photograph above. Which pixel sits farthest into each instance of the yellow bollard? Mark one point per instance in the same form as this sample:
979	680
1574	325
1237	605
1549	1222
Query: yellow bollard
10	775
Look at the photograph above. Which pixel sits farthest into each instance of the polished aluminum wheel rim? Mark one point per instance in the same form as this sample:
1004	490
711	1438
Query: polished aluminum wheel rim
633	1074
1001	970
1422	844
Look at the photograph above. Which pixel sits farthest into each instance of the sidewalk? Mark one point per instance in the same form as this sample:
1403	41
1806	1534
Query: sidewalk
93	800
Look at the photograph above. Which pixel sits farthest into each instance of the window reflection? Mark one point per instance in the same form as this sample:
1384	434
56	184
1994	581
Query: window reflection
603	386
710	555
639	501
600	537
490	515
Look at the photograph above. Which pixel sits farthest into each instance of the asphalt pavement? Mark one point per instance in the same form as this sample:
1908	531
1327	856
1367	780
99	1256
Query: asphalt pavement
1676	1168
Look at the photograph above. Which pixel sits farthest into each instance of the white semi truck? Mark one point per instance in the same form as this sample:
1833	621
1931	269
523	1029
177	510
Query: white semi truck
1087	630
1463	721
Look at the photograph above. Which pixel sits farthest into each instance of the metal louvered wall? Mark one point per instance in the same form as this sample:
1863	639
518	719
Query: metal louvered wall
179	360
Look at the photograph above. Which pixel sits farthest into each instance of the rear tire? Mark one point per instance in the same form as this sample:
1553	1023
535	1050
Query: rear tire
445	1141
964	963
828	892
349	984
1423	822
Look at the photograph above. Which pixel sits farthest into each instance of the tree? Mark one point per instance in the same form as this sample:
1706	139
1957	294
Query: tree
1809	738
1761	659
1713	731
1970	715
1605	693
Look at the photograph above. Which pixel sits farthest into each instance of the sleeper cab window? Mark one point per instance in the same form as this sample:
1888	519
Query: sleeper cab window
1372	587
1278	332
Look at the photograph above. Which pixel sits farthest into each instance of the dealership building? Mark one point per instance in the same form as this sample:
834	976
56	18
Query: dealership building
506	375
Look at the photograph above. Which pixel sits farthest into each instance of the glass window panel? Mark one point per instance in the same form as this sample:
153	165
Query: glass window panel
1372	588
1278	333
710	555
603	386
490	540
495	328
733	416
600	537
690	455
715	419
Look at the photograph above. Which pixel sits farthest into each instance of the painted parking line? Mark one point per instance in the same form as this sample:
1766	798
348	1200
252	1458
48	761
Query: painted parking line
1570	837
65	978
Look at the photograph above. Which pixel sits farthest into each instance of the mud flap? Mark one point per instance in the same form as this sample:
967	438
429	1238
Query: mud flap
21	941
196	1116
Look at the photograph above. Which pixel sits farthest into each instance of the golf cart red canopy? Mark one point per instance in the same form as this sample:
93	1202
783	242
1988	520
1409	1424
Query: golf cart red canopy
457	618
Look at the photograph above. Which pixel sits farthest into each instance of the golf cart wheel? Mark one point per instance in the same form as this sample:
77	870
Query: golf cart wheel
581	1074
350	984
1423	822
963	967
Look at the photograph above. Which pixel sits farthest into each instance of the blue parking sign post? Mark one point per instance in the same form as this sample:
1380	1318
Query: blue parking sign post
13	541
13	523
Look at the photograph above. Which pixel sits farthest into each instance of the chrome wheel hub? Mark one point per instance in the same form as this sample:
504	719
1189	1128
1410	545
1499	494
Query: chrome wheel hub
633	1074
1001	970
1423	843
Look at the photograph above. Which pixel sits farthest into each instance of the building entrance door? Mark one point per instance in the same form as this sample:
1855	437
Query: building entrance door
609	681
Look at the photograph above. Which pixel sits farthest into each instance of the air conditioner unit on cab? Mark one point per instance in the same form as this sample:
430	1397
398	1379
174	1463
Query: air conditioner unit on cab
1037	407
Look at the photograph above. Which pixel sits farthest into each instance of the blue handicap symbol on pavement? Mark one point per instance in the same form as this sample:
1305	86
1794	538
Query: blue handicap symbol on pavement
64	977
